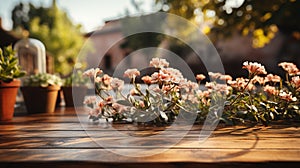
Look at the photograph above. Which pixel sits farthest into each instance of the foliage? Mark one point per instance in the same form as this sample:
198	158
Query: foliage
54	28
9	68
260	98
259	18
76	79
42	80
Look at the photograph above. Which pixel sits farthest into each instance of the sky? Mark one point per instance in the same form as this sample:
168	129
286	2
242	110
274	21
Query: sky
89	13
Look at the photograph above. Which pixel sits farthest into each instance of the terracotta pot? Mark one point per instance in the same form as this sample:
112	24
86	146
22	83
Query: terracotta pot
74	96
40	99
8	94
59	99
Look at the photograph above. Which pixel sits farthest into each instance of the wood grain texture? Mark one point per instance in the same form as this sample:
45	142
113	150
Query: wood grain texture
60	140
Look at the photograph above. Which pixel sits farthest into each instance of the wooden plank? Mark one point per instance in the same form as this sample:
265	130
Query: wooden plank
60	137
191	134
89	164
148	142
170	155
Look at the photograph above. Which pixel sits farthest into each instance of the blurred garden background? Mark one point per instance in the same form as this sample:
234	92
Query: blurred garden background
241	30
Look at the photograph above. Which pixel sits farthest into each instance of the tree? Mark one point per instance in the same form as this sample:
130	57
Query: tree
259	18
53	27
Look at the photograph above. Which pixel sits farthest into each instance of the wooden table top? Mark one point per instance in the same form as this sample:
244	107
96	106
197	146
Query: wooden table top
60	140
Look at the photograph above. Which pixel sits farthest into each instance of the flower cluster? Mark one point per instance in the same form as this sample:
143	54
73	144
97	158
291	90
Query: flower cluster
166	93
43	80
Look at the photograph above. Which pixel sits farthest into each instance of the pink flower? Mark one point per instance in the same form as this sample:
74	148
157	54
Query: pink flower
94	112
296	82
90	100
141	104
214	75
290	68
225	78
117	84
166	88
134	92
167	75
89	72
209	85
258	79
109	100
131	73
155	89
200	77
92	72
189	86
164	77
190	97
221	88
147	79
106	79
101	104
287	96
155	77
98	71
254	68
98	79
272	78
119	107
159	63
171	74
271	90
203	94
240	84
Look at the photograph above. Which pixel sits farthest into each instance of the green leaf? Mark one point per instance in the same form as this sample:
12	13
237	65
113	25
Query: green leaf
9	68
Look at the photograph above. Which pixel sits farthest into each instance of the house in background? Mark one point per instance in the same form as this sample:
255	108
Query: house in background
106	52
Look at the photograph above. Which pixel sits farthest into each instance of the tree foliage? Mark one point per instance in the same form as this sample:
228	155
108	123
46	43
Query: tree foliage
259	18
54	28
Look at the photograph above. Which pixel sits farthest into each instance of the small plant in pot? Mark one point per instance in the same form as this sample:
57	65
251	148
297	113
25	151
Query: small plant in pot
40	92
74	89
9	84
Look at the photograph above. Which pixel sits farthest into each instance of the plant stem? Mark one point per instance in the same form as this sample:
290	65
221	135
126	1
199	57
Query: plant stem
241	93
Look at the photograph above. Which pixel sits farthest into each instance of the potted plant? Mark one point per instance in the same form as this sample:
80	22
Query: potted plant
40	92
74	89
9	71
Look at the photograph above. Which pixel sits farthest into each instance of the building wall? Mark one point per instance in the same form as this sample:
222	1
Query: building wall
106	53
